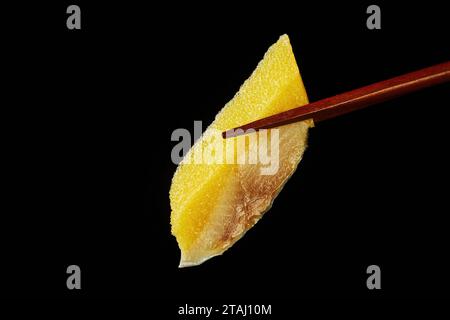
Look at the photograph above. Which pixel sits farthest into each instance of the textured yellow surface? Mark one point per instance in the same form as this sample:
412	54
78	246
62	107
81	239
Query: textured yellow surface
213	205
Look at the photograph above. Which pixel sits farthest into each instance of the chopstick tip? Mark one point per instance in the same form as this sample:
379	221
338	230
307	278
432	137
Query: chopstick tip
238	131
228	133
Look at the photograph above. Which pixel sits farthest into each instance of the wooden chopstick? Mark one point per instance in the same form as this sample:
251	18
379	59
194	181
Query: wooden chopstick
352	100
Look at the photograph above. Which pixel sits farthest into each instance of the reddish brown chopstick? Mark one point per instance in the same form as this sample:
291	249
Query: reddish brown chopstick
352	100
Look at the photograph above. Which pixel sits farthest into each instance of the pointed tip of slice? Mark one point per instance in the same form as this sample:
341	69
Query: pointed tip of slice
192	262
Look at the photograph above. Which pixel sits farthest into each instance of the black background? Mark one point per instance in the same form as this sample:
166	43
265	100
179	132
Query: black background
87	121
